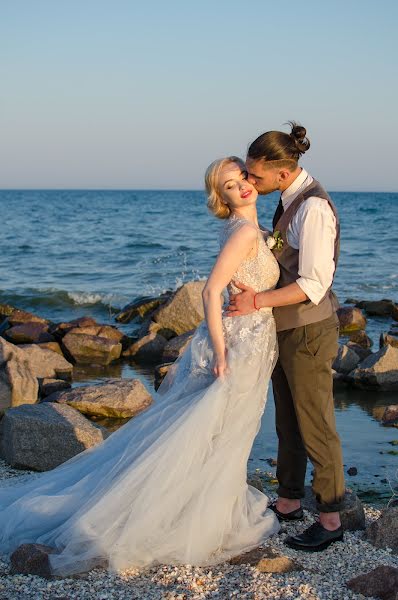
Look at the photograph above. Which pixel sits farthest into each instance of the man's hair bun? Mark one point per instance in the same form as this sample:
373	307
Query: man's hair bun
299	134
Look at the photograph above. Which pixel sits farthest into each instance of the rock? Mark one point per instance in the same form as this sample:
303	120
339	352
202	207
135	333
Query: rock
255	481
360	338
141	307
28	333
267	560
105	331
31	559
91	349
118	398
46	363
42	436
49	386
377	308
383	533
176	346
149	326
390	414
378	371
147	350
339	381
184	311
352	514
346	360
17	317
382	583
6	310
352	471
53	346
18	385
351	319
386	339
160	373
359	350
84	322
394	312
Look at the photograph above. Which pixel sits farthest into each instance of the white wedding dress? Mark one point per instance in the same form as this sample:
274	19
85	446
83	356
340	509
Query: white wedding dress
168	487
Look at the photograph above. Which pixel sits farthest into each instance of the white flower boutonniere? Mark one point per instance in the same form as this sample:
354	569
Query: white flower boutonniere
275	241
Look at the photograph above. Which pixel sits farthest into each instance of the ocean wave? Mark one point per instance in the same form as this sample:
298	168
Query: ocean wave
56	298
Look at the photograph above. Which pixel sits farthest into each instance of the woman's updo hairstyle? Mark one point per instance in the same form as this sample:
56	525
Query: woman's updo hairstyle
286	148
215	203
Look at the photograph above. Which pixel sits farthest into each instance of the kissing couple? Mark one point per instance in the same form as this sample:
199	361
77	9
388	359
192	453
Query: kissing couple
169	487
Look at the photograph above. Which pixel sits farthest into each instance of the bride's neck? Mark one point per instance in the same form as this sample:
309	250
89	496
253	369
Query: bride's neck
249	213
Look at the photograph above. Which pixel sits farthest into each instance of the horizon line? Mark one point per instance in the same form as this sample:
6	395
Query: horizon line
115	189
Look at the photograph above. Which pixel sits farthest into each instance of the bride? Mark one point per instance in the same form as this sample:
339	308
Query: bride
170	486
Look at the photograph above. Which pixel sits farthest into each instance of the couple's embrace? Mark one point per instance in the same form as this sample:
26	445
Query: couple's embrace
170	485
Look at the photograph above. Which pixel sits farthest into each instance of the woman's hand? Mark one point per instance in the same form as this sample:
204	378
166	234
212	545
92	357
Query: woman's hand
220	365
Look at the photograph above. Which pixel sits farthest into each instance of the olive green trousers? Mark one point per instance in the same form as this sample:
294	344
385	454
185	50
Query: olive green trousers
305	419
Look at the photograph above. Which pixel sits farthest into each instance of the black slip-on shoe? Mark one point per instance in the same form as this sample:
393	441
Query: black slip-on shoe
315	538
294	515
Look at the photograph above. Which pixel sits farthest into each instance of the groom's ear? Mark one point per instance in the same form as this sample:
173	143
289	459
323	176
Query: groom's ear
284	175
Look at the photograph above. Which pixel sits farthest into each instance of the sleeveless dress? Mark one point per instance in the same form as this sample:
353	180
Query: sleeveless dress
169	487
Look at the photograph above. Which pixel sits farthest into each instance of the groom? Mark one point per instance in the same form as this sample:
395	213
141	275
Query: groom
307	325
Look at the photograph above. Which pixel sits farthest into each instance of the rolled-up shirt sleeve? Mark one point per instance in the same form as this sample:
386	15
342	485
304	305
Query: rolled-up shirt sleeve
316	232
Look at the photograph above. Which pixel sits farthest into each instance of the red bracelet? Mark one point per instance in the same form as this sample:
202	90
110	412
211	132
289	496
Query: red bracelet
254	302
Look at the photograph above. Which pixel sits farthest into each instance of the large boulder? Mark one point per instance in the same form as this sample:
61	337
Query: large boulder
49	386
28	333
378	371
351	319
388	340
147	350
18	385
46	363
176	346
360	338
118	398
381	582
141	307
352	514
383	533
377	308
17	317
359	350
346	360
43	436
184	311
91	349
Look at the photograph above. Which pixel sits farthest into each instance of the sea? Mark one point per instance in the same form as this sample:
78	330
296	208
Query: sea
69	253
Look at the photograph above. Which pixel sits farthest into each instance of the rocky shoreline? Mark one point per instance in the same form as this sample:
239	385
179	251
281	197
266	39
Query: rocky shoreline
38	363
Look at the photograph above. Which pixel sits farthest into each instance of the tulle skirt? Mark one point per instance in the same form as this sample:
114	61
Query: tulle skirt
168	487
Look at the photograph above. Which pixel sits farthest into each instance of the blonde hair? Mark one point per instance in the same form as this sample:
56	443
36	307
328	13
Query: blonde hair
214	200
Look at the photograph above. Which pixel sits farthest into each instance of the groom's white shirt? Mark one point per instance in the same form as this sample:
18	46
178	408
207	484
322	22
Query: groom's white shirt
312	232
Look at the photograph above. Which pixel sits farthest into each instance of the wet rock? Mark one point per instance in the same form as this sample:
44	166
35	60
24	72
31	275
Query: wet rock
141	307
6	310
388	340
383	533
31	559
346	360
17	317
352	471
390	415
360	338
28	333
378	371
176	346
91	349
149	326
255	481
118	398
352	514
84	322
184	311
394	312
42	436
359	350
377	308
160	373
50	386
351	319
339	380
147	350
382	583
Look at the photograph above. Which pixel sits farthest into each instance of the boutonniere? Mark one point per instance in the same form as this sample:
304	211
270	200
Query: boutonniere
275	241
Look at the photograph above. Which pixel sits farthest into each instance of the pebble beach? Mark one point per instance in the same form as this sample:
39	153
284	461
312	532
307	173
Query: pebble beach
319	576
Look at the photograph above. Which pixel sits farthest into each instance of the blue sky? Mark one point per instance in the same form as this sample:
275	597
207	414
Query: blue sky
126	94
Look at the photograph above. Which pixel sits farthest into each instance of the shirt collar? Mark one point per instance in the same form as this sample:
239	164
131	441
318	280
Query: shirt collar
287	195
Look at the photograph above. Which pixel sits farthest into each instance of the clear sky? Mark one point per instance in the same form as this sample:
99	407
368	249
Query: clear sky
126	94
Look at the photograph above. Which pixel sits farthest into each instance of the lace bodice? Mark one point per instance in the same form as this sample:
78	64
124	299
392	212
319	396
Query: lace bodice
260	272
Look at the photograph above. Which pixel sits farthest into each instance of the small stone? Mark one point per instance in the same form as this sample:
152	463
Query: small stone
382	583
32	559
352	471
